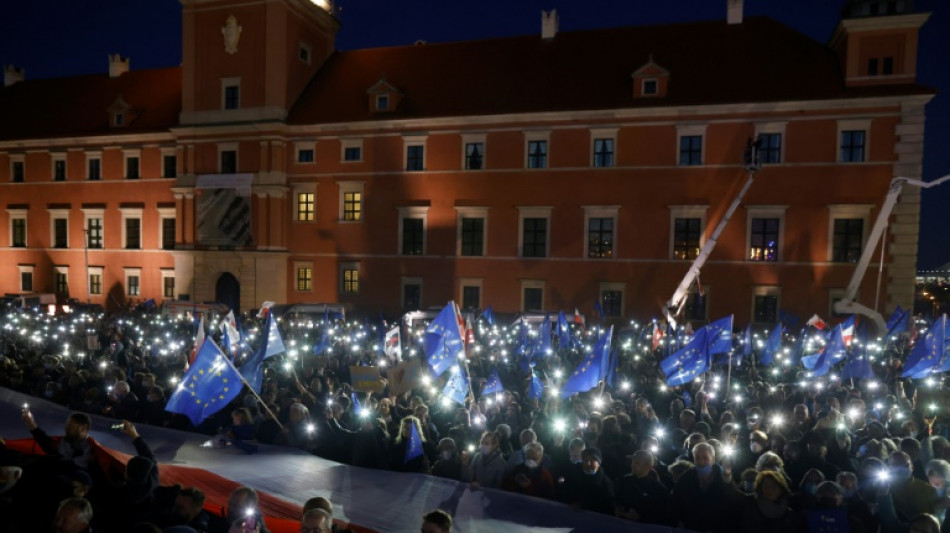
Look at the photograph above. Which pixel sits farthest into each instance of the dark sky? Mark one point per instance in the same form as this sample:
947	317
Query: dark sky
53	38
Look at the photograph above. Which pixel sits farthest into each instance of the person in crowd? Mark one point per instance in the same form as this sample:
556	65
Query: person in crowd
530	477
74	515
640	495
242	510
487	467
398	453
449	463
437	521
74	448
911	496
768	509
702	499
592	490
316	521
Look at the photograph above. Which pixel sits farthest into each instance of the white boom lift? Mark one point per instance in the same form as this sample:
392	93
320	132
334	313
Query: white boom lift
675	304
847	305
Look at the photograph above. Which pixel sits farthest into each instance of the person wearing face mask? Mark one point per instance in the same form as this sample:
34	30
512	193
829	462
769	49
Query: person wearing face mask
487	467
153	409
831	514
640	495
530	477
527	437
911	496
592	490
854	502
448	465
748	457
806	498
702	500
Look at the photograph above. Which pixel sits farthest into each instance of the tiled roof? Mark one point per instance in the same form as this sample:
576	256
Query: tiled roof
78	105
759	60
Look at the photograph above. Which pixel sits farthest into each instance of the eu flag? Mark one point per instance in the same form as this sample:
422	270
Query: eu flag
493	384
592	368
858	365
747	341
719	335
832	352
456	388
208	386
414	446
443	340
271	345
543	346
898	323
772	346
693	360
536	389
563	330
489	316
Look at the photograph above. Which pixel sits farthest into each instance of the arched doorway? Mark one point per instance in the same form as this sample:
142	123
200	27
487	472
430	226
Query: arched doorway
227	290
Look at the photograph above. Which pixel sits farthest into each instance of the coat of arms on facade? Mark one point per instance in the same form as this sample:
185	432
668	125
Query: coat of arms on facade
232	34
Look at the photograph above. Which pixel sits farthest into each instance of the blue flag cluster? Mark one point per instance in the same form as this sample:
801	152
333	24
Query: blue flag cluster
271	344
208	386
456	388
931	354
493	384
692	360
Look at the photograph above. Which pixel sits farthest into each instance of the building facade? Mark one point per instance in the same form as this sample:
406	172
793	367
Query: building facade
539	172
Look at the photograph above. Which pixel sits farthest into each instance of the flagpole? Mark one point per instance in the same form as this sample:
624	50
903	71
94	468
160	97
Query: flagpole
250	388
729	377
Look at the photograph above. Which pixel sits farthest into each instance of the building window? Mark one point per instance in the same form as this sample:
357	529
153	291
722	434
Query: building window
132	285
415	157
17	171
471	297
133	233
534	237
687	233
611	300
232	96
532	296
537	154
691	150
382	102
305	207
168	287
650	87
170	166
303	53
764	239
118	119
60	233
59	170
61	280
18	232
94	171
852	146
600	238
770	148
94	232
872	66
474	156
228	161
352	206
603	152
305	155
168	233
95	283
132	167
413	236
304	278
695	307
26	278
887	67
411	293
847	240
473	236
352	153
350	276
765	308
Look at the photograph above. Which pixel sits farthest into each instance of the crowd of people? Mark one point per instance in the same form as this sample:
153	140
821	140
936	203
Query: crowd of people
744	448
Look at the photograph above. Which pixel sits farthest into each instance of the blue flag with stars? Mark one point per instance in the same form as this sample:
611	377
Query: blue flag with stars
443	341
898	323
456	388
493	384
414	446
693	360
592	369
834	351
543	346
563	330
928	353
271	345
772	346
719	335
536	389
489	316
747	342
858	365
208	386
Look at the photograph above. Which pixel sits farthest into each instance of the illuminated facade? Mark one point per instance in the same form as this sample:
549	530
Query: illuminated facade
534	172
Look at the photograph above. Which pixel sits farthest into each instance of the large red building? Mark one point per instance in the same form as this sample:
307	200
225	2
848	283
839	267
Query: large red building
536	172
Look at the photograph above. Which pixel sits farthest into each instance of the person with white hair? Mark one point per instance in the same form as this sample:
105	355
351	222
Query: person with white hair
73	516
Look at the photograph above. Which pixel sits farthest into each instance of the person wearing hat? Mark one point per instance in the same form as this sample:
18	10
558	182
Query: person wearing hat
592	491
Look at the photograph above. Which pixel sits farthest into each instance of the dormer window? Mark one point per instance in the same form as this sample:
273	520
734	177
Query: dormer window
118	119
650	80
383	97
120	113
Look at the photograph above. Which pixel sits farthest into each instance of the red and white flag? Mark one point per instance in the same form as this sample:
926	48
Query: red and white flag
817	322
265	308
657	335
391	344
199	340
577	317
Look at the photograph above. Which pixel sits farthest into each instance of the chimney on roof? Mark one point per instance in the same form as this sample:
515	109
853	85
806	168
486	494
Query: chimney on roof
12	74
118	65
548	24
734	11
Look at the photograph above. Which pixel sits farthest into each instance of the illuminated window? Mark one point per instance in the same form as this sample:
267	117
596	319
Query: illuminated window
763	239
350	278
304	278
352	206
95	283
687	233
305	201
61	280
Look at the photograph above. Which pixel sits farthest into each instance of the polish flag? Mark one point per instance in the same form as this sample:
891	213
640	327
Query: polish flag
817	322
657	335
199	340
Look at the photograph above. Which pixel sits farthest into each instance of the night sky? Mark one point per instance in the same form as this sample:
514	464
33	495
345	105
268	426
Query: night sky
54	38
